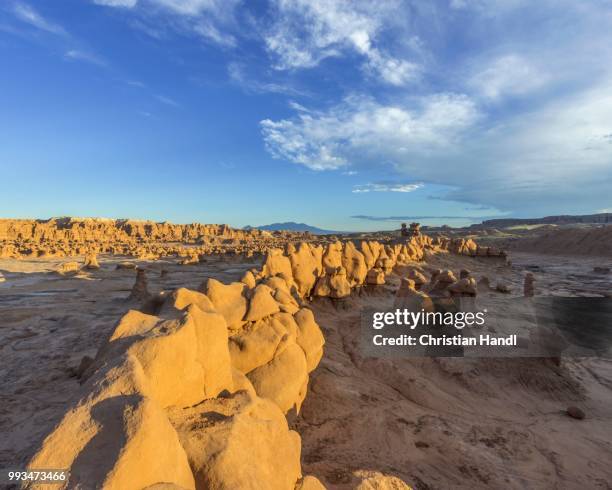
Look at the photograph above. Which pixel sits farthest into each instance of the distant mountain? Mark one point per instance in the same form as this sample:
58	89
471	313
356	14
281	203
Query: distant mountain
600	218
293	226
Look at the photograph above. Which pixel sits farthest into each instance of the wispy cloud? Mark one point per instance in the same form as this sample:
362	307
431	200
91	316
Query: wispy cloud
117	3
406	218
167	100
208	19
29	15
508	75
387	187
87	57
237	75
136	83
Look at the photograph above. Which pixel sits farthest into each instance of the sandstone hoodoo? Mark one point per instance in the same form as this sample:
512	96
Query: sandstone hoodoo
91	261
140	290
243	350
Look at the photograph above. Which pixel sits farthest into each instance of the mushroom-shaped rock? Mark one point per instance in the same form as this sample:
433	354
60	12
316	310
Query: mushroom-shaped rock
332	258
322	287
354	263
309	337
140	289
276	263
407	297
417	276
338	283
375	277
368	255
446	276
463	287
229	300
91	261
304	267
284	379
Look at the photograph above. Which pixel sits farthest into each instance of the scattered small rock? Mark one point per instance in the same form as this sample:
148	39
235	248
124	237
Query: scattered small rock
68	268
504	287
575	412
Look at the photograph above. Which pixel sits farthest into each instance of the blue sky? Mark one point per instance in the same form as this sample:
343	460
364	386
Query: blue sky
349	115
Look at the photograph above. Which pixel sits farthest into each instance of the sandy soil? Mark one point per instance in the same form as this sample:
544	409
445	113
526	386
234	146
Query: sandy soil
435	423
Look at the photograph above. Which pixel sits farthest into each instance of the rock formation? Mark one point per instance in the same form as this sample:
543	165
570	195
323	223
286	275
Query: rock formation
91	261
195	396
140	290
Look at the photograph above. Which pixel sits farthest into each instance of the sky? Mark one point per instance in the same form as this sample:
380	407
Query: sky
347	115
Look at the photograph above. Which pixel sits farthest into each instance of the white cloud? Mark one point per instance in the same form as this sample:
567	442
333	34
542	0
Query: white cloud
27	14
117	3
307	31
194	7
208	19
167	100
488	7
553	156
78	55
508	75
362	129
208	30
386	187
238	76
181	7
391	70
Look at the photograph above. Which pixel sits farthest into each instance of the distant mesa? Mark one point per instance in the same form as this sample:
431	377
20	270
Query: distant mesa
293	226
600	218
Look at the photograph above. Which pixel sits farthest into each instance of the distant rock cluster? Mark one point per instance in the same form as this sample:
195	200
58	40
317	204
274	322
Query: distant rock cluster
145	240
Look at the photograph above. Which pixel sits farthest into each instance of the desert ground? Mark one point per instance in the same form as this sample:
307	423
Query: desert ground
367	423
